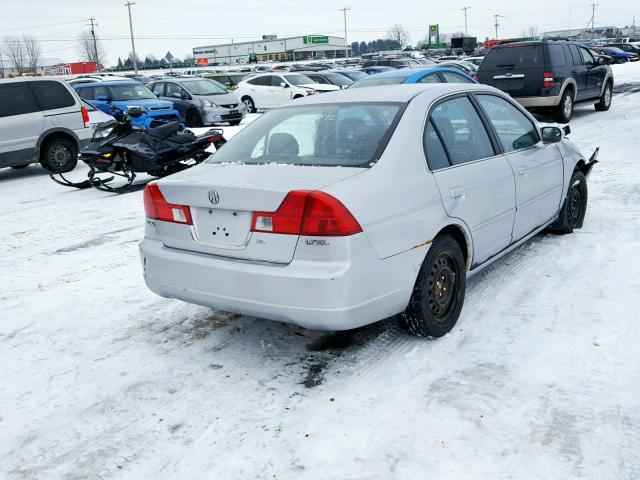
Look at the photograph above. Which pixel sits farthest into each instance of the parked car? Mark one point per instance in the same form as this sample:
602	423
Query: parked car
606	58
477	61
469	68
200	101
229	80
392	62
41	120
96	116
351	73
329	78
626	47
446	58
96	79
374	70
123	95
549	76
269	90
414	75
618	55
343	209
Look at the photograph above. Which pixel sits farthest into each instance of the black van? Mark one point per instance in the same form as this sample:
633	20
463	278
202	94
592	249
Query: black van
549	76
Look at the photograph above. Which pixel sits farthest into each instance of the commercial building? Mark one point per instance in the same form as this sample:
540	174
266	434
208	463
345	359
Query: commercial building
597	32
272	48
72	68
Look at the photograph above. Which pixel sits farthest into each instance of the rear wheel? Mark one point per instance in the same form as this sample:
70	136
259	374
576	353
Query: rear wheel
564	111
605	99
248	102
193	119
438	294
59	155
575	205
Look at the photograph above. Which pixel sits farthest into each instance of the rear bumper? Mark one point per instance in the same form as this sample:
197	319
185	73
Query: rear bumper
312	294
534	102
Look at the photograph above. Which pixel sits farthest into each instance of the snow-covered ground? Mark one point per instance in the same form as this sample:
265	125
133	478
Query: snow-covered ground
540	379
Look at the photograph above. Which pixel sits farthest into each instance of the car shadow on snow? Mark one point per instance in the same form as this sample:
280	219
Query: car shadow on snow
34	170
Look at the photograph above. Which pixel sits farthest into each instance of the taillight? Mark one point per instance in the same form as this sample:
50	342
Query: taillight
548	79
476	78
85	116
302	212
156	207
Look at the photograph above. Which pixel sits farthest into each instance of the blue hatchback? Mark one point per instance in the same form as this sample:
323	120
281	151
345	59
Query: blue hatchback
122	95
415	75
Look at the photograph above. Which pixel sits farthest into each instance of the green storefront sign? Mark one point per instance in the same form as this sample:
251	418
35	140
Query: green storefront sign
315	39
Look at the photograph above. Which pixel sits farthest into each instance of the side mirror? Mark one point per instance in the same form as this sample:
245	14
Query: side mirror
551	134
284	85
135	112
103	98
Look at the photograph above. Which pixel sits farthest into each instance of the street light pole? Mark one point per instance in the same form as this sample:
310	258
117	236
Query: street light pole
466	30
133	45
346	45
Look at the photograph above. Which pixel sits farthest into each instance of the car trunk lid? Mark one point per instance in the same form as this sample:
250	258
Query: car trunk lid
222	199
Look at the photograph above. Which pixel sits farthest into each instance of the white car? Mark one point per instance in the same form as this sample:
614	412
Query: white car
270	90
343	209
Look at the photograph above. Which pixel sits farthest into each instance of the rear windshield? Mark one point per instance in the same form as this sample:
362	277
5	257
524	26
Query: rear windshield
528	56
329	135
374	82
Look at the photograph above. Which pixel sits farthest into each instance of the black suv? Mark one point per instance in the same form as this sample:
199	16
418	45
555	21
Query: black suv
549	76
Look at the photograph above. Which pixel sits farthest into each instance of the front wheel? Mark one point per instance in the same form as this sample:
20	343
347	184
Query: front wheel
438	295
248	102
605	99
193	119
564	111
575	206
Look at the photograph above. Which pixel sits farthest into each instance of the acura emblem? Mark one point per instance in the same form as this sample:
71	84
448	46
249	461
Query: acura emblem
214	197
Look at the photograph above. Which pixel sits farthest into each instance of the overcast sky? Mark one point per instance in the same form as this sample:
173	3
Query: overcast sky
177	26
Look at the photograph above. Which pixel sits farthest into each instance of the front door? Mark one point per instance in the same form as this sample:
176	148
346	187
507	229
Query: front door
538	167
476	183
580	73
595	73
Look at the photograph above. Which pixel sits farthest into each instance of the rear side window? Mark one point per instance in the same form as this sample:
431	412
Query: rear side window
556	56
86	93
527	56
577	58
436	154
52	95
514	129
16	99
462	131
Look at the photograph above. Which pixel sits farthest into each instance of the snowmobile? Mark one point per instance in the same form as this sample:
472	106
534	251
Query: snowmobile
118	149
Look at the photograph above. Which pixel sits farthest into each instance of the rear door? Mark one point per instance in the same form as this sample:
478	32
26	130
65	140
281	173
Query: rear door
517	69
477	183
21	123
59	106
580	73
279	94
538	167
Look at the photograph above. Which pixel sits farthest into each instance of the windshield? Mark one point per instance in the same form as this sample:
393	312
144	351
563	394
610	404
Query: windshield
298	79
374	82
346	135
203	87
131	92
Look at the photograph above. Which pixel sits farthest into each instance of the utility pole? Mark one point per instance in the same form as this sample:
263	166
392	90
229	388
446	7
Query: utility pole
497	24
94	24
466	30
593	17
133	45
346	45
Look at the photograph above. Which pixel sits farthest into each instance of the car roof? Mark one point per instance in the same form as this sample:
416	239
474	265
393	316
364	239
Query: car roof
31	79
118	83
391	93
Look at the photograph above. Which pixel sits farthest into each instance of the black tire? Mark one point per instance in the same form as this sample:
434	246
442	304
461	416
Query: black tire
248	102
193	119
564	111
575	205
19	167
59	155
432	310
605	99
235	123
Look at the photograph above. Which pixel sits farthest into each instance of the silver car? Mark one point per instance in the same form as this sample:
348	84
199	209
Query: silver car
41	120
338	210
201	101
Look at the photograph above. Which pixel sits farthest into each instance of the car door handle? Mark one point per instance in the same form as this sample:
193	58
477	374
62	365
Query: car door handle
457	192
522	170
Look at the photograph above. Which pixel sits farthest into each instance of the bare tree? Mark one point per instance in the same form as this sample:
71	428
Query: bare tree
16	53
91	51
398	34
1	63
32	52
531	32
